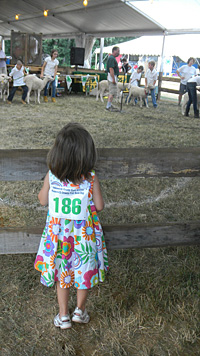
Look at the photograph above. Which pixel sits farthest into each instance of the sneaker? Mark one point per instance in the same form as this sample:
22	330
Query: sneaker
9	102
45	99
80	317
64	322
53	100
112	109
23	102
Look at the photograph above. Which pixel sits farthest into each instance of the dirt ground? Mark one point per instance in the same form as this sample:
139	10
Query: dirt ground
35	126
149	304
127	201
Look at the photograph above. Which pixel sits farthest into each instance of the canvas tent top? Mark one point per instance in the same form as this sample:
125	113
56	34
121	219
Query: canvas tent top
67	18
184	46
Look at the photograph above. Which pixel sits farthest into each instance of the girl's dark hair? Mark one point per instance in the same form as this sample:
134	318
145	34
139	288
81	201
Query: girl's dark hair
73	154
189	59
52	52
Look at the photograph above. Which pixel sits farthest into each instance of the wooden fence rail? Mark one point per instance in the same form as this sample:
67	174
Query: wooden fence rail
21	165
24	240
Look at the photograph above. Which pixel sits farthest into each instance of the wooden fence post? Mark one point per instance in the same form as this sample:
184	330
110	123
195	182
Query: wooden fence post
159	85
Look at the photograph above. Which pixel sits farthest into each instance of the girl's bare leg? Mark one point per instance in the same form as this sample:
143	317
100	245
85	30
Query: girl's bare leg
63	297
82	298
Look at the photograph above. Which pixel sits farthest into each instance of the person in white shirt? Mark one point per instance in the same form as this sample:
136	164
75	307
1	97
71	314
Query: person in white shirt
50	67
17	73
3	68
150	81
135	79
136	76
185	72
192	93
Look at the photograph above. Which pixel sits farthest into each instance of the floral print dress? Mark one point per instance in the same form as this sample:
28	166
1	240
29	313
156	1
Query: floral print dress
72	252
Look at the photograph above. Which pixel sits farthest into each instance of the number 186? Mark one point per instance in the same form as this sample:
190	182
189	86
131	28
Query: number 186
68	206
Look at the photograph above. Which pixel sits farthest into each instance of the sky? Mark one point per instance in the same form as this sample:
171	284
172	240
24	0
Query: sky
172	14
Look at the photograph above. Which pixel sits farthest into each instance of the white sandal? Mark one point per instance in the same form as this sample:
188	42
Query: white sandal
80	317
64	322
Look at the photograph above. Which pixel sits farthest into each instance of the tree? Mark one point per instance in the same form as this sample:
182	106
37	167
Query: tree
63	46
108	41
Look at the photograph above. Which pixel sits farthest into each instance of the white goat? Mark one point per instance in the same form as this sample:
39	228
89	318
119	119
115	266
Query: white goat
4	86
36	84
185	100
138	92
103	89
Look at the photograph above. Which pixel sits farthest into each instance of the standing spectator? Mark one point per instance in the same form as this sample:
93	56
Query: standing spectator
3	68
150	81
185	72
18	73
192	93
72	250
50	67
113	72
125	65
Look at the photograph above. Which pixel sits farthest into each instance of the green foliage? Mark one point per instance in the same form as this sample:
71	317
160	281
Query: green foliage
108	41
63	46
7	47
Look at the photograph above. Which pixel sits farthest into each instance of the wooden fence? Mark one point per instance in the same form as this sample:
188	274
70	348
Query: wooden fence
102	75
29	165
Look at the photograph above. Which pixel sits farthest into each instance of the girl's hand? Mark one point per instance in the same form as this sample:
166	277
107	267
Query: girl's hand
97	196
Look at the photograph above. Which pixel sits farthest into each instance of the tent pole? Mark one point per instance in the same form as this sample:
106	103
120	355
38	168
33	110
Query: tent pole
161	68
3	43
101	53
96	60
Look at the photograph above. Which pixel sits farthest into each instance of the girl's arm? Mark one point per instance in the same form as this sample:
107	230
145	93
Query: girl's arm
44	192
42	70
55	72
97	196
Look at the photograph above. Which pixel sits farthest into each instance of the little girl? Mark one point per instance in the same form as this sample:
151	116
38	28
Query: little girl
72	248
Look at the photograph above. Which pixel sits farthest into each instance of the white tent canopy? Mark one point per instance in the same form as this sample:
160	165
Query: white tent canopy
67	18
184	46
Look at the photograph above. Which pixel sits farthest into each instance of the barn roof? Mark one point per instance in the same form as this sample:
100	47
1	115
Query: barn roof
67	18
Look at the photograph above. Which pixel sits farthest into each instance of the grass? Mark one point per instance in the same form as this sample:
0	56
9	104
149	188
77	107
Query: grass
149	303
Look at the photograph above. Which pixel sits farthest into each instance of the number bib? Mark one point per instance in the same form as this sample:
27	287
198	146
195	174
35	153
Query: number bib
68	203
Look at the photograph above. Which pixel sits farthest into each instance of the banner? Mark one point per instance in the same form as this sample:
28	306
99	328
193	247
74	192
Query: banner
84	79
68	81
